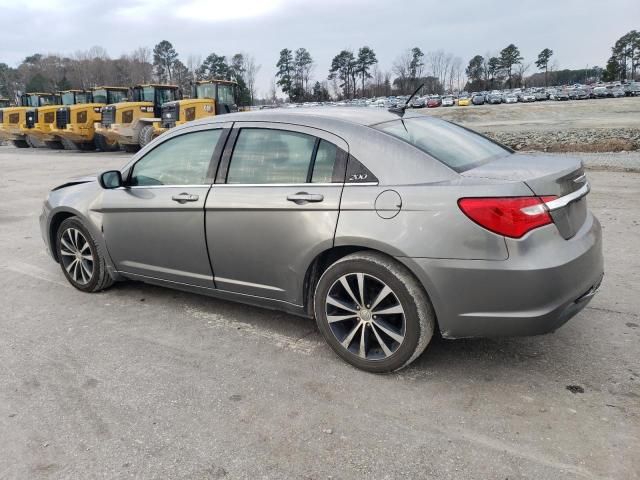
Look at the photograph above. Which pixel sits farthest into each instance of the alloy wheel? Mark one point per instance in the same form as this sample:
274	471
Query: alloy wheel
76	256
365	316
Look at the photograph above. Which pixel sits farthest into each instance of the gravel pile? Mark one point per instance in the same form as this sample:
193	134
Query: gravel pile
571	140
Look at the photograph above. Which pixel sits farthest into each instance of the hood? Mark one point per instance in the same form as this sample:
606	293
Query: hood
77	181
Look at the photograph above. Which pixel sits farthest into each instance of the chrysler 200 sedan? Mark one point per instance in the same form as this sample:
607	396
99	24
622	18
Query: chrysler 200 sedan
383	227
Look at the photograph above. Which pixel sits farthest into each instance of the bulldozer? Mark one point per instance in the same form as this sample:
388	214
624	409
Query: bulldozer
75	125
208	98
14	121
41	126
123	122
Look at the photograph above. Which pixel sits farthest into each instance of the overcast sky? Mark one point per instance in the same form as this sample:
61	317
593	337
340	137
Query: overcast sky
579	32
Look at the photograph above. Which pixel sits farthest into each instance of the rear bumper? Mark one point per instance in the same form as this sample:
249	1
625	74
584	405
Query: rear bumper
545	282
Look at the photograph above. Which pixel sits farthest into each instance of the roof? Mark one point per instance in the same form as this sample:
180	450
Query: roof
155	85
215	80
363	116
38	93
105	87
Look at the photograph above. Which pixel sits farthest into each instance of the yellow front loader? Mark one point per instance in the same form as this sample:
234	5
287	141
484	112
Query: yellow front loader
43	129
123	122
208	98
15	121
76	123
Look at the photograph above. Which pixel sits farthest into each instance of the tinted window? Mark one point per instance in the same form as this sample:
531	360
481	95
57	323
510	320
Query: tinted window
182	160
456	147
270	156
325	161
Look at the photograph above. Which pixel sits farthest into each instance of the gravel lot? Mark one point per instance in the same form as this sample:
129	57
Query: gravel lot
603	125
145	382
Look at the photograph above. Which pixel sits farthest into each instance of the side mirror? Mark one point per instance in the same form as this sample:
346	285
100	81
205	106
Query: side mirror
111	179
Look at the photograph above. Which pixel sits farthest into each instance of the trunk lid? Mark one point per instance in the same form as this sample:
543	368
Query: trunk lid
562	177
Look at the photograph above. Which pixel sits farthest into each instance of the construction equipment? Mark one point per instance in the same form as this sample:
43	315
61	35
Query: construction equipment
42	128
14	120
208	98
123	122
75	125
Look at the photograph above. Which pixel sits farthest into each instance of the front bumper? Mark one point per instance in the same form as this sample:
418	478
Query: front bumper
545	282
119	132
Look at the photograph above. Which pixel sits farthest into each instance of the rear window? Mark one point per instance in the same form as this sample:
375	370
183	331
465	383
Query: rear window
458	148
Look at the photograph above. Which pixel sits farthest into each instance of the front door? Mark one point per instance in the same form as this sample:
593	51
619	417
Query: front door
154	226
276	209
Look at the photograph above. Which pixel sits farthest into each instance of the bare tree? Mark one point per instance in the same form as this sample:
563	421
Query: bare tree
251	70
401	68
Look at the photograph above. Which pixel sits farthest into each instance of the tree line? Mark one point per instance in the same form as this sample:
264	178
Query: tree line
91	68
352	74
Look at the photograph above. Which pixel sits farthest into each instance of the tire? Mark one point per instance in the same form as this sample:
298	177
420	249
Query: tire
21	144
405	327
54	145
146	135
104	145
86	270
131	148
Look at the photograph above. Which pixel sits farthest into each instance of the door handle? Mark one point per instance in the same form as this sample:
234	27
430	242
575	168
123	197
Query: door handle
185	197
303	197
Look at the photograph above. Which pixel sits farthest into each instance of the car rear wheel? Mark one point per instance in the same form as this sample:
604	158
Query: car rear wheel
373	312
80	258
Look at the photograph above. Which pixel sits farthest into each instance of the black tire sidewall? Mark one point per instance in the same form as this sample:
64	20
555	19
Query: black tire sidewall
97	264
412	333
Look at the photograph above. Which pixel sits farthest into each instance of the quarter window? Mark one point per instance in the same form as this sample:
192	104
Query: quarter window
182	160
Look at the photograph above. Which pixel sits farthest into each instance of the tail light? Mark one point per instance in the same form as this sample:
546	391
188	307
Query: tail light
509	216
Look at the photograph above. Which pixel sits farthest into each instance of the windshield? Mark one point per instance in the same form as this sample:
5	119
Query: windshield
68	98
84	97
458	148
100	96
166	95
41	100
225	95
206	90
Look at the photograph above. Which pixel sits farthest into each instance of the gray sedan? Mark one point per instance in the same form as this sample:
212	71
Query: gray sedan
383	227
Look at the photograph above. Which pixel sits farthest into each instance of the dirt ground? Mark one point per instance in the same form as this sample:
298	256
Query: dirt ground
145	382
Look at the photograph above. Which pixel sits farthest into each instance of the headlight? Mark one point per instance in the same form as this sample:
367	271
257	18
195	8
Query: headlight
97	109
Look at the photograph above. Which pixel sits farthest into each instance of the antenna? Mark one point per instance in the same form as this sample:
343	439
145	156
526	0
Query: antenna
400	110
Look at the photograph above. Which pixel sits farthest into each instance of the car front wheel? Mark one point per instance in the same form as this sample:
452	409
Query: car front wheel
79	257
373	312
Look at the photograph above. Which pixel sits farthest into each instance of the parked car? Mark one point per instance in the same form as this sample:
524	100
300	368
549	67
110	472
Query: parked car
578	94
448	101
464	101
541	95
510	98
477	99
294	210
617	92
600	92
561	95
494	98
632	88
527	97
419	102
434	101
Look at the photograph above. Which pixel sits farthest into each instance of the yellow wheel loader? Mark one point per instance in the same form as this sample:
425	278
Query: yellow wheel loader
76	123
208	98
15	121
42	128
123	122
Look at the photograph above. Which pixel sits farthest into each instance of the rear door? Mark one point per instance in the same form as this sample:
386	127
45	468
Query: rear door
274	207
154	227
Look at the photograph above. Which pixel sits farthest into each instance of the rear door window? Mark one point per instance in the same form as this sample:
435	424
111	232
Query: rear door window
270	156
